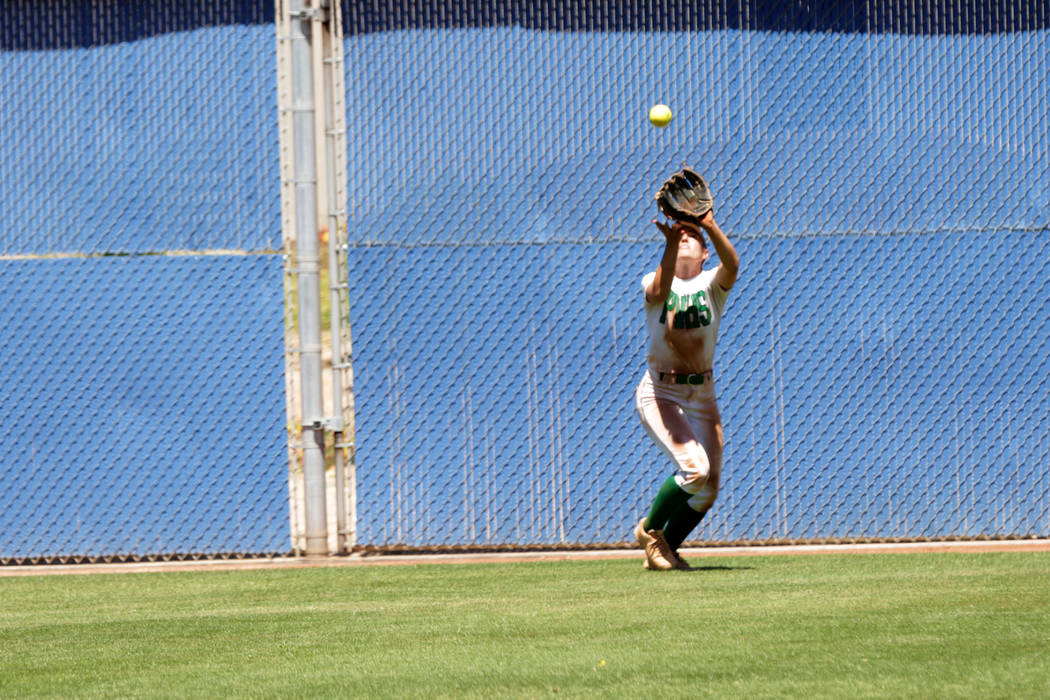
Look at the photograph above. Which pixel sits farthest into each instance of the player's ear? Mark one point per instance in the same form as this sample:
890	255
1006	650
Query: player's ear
707	250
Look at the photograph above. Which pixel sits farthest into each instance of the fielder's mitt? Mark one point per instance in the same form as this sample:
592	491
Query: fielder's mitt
685	196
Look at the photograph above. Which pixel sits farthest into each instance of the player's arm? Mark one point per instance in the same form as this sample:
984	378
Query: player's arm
729	261
660	287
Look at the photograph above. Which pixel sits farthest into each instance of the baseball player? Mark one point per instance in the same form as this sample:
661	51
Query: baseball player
676	396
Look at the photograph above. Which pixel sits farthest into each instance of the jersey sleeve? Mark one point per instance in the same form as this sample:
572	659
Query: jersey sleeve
716	293
646	281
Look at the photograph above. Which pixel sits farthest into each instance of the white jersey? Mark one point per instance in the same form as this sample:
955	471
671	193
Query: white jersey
683	331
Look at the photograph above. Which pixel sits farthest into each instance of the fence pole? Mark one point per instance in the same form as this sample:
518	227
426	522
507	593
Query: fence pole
308	280
328	64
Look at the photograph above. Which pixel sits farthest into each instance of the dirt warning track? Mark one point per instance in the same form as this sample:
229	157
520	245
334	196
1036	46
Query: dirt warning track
1028	545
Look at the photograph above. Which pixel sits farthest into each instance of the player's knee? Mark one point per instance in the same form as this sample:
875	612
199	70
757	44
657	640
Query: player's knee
704	498
695	473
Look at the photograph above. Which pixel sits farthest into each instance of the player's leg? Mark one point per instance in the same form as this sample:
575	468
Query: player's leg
688	515
667	424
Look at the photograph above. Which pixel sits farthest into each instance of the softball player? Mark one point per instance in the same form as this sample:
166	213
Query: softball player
676	396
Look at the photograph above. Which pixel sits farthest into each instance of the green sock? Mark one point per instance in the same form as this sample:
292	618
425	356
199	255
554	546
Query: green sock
667	501
682	522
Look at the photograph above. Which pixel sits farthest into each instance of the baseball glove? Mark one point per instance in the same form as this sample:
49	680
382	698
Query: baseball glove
685	196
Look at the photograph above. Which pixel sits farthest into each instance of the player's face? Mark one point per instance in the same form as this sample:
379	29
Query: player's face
691	243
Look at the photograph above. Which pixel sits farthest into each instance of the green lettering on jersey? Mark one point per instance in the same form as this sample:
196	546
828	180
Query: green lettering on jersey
703	310
670	304
689	312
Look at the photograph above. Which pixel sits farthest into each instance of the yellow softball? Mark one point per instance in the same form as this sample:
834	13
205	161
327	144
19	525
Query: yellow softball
660	115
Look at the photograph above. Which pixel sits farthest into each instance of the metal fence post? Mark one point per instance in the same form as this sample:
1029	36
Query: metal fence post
309	289
328	64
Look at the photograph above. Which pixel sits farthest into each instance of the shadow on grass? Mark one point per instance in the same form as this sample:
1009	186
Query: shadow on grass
697	569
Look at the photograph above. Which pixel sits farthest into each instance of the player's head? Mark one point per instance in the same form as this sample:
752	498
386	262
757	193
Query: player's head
692	242
692	250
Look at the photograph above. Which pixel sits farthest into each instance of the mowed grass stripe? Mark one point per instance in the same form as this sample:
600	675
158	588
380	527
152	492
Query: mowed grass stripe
842	625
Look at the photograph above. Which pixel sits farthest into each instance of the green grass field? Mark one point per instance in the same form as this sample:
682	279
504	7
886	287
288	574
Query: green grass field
841	626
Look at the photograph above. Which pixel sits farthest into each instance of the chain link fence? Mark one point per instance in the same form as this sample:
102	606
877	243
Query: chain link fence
141	334
884	171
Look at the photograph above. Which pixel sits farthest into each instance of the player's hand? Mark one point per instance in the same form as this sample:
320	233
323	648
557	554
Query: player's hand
707	221
671	233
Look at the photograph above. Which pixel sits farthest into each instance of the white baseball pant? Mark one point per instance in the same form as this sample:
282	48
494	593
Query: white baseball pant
685	422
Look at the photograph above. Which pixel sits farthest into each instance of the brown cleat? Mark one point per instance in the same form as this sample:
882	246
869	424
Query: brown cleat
640	534
658	554
680	565
647	540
